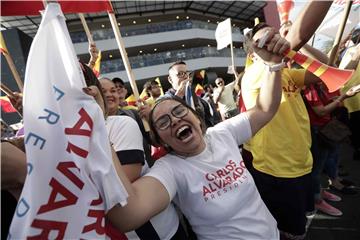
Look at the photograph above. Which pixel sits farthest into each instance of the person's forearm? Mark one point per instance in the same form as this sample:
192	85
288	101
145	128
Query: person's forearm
13	166
307	22
333	105
314	53
327	109
270	94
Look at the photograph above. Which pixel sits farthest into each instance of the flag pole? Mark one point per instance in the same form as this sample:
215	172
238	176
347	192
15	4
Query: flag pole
125	59
340	32
11	64
123	53
14	72
86	28
6	90
232	48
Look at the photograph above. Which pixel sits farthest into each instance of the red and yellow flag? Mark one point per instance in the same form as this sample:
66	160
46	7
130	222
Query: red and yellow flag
6	105
199	90
131	100
96	68
3	48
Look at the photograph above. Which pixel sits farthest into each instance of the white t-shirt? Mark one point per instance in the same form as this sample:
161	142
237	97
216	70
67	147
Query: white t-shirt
214	190
226	101
125	136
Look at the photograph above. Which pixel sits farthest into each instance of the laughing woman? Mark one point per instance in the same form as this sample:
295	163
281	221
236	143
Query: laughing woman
204	173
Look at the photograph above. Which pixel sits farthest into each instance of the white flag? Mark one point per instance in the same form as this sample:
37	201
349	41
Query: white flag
71	181
330	24
223	34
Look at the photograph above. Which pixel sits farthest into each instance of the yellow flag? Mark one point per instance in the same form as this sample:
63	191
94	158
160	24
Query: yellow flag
202	73
161	89
96	68
143	94
3	48
256	21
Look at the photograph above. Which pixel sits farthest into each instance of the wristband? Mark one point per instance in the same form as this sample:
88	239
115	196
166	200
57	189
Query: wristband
275	67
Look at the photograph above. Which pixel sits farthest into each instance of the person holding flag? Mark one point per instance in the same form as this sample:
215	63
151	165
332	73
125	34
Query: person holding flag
224	97
70	199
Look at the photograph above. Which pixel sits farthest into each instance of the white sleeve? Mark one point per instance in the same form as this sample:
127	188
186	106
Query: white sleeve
163	172
231	85
125	134
238	127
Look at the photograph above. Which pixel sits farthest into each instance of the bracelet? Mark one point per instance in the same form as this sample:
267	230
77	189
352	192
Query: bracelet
275	67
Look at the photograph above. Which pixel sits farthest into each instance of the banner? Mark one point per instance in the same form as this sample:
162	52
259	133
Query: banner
22	8
71	182
223	34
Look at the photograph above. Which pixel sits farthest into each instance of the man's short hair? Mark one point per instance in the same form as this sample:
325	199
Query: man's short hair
118	80
179	62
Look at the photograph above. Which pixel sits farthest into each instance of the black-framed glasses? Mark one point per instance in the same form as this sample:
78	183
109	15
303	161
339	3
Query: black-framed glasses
164	121
182	74
220	83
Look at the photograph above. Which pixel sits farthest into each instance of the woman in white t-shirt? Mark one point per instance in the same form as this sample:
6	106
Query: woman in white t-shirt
204	173
127	143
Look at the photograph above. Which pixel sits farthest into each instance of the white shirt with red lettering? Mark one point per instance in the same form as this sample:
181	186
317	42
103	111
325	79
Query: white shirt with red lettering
125	137
214	190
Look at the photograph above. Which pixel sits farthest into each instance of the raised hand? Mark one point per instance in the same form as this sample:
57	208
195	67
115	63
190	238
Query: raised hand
269	45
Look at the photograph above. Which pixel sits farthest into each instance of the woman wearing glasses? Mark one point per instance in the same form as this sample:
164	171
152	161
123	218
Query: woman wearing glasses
204	173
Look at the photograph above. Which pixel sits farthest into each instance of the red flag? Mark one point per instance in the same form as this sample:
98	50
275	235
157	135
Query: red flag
22	8
6	105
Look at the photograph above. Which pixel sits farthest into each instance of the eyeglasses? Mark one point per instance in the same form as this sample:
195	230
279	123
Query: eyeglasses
220	83
182	74
164	121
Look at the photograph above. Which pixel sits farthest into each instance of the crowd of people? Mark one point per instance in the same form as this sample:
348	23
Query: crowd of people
241	161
